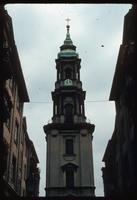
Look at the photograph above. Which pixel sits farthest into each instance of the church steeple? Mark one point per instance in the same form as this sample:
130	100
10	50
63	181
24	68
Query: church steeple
67	49
69	136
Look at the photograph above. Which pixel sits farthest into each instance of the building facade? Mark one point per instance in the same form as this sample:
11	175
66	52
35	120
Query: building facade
13	95
69	169
119	173
4	107
30	171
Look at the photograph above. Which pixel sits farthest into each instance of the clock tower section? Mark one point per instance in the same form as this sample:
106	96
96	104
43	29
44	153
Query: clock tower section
69	167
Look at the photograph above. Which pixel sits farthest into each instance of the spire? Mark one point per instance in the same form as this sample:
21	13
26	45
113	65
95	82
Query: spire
67	49
68	40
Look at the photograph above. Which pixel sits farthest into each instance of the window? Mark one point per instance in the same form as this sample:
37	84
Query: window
24	192
81	109
10	83
8	123
20	107
69	146
17	101
68	110
6	108
26	150
69	178
5	44
70	172
76	75
68	73
25	170
19	174
21	154
13	169
22	135
16	129
8	25
59	76
55	109
125	168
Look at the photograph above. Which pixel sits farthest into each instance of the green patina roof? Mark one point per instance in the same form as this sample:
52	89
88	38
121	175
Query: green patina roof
67	49
67	53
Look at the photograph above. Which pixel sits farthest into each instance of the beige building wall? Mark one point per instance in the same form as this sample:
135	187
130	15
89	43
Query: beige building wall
14	135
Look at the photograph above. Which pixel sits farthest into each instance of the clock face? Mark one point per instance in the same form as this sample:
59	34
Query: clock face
68	82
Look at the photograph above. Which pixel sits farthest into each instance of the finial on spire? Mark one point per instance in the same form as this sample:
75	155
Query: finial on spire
68	26
68	21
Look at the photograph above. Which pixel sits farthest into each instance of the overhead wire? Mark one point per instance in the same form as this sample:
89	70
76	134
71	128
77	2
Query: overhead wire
88	101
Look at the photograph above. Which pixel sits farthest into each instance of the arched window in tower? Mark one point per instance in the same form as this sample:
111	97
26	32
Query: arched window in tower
56	110
77	75
81	109
68	111
68	73
70	171
59	76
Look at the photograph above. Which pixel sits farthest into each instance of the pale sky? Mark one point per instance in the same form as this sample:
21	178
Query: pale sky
39	31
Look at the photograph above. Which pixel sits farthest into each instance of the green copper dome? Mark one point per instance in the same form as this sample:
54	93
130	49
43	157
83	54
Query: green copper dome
67	49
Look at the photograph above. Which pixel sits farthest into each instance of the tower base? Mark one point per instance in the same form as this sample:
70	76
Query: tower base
75	191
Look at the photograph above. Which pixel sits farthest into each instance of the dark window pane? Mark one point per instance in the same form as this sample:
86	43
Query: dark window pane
69	178
13	169
68	73
16	132
69	112
68	109
69	146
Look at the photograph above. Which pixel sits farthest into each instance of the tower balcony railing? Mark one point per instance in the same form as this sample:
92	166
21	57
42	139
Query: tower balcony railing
61	119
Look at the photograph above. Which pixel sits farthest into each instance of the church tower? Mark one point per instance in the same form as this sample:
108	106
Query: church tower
69	137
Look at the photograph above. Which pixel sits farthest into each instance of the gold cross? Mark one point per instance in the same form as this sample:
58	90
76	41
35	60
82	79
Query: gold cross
68	21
